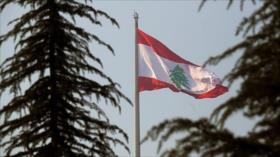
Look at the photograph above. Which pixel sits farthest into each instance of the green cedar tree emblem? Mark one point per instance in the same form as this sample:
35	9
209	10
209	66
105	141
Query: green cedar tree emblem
178	77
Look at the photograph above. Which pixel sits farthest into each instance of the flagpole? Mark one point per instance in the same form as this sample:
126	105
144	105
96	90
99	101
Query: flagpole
136	103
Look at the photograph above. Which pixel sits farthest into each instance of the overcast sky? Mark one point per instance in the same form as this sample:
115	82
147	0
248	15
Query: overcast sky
191	34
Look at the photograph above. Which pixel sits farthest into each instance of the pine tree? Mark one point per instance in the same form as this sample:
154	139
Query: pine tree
259	96
60	113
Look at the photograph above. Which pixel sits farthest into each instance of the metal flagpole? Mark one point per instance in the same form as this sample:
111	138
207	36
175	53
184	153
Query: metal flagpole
0	58
136	103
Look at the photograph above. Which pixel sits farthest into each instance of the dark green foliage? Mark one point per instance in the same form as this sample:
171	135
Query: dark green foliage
230	2
59	114
207	140
258	97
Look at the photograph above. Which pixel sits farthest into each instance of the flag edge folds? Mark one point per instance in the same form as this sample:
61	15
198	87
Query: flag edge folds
148	84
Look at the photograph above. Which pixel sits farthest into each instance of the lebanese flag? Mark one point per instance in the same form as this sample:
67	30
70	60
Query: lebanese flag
159	67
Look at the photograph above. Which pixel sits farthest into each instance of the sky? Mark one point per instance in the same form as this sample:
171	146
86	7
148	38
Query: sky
193	35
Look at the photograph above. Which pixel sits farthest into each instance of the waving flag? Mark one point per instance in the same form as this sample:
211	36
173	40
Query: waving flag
159	67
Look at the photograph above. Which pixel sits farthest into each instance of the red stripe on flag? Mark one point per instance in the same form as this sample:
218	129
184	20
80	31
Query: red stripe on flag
217	91
146	83
159	48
